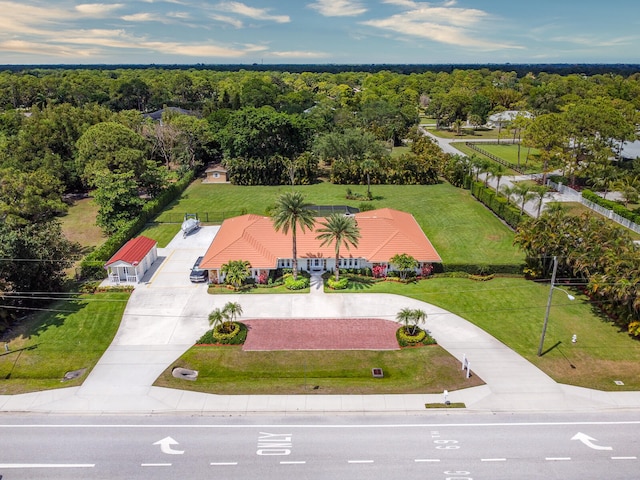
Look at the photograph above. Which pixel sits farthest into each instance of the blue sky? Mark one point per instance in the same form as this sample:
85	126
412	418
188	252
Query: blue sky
319	31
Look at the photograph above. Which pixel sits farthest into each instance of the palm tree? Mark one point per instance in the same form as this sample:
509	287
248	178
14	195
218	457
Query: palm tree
410	319
540	192
525	193
496	171
507	191
236	272
217	317
629	188
339	229
232	310
368	166
292	211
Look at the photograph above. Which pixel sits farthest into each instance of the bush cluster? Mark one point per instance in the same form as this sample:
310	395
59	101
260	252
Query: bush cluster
421	337
301	283
236	337
337	285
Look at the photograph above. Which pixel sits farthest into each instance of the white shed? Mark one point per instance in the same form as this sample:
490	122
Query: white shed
130	263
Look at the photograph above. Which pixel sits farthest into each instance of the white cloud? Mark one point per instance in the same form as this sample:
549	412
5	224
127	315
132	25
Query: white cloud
97	9
445	24
252	12
338	8
141	17
36	48
226	19
298	54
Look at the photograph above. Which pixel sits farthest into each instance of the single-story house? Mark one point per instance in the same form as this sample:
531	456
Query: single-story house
502	119
216	174
630	150
384	233
157	115
130	263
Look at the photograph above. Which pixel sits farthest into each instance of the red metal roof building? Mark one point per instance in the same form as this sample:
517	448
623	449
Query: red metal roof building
130	263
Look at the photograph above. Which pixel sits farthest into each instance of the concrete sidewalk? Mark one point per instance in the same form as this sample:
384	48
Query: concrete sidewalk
167	314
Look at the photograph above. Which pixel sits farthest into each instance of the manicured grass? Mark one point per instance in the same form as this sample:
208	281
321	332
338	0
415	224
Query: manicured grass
513	310
469	134
163	233
509	153
79	224
227	370
460	228
577	209
397	151
72	336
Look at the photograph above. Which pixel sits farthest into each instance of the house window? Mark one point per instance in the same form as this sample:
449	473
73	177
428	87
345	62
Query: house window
216	175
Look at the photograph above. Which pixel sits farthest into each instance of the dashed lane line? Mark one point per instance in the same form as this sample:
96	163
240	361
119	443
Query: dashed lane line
624	458
493	459
222	464
360	461
292	462
419	460
557	459
155	464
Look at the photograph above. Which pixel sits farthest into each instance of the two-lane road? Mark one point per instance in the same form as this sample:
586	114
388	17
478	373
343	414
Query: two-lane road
438	446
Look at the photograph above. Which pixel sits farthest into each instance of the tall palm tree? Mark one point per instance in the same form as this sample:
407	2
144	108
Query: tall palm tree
540	192
524	191
368	166
290	212
339	229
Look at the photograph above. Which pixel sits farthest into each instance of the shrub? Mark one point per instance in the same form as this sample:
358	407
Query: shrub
379	271
300	284
337	285
422	337
236	337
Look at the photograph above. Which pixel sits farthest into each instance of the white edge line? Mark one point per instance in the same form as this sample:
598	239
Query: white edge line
557	458
427	460
47	465
215	464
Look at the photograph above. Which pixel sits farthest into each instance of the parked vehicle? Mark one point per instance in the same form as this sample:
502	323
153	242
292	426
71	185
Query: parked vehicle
190	224
198	274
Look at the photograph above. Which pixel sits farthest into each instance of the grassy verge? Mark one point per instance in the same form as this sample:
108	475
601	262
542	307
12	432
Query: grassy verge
79	224
513	310
231	371
72	336
468	134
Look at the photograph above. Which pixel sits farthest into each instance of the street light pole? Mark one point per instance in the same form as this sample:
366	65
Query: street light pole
546	316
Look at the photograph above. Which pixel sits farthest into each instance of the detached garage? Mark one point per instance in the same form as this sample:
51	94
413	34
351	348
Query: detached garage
130	263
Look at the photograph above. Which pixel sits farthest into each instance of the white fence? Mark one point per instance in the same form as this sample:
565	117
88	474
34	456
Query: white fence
610	214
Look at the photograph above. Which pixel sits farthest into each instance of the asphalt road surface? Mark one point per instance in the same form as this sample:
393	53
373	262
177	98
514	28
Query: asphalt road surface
431	446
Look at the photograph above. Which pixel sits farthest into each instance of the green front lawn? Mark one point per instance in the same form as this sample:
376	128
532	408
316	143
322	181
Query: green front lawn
71	336
460	228
513	310
227	370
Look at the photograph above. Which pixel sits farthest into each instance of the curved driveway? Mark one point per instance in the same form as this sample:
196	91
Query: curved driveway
166	314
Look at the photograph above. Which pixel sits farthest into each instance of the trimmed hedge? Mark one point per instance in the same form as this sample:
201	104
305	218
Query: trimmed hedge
611	205
92	267
479	268
237	337
422	337
497	204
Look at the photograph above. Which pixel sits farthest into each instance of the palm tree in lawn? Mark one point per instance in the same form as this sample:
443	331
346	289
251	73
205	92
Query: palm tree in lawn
368	166
236	272
291	211
419	317
405	317
497	171
339	229
507	191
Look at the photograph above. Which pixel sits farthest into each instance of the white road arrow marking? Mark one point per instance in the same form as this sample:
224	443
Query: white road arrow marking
587	440
165	446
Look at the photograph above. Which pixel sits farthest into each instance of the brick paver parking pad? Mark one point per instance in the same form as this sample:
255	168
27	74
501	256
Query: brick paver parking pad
321	334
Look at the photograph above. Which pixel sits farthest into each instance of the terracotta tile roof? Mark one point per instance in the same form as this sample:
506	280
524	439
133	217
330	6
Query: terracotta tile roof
133	251
384	233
